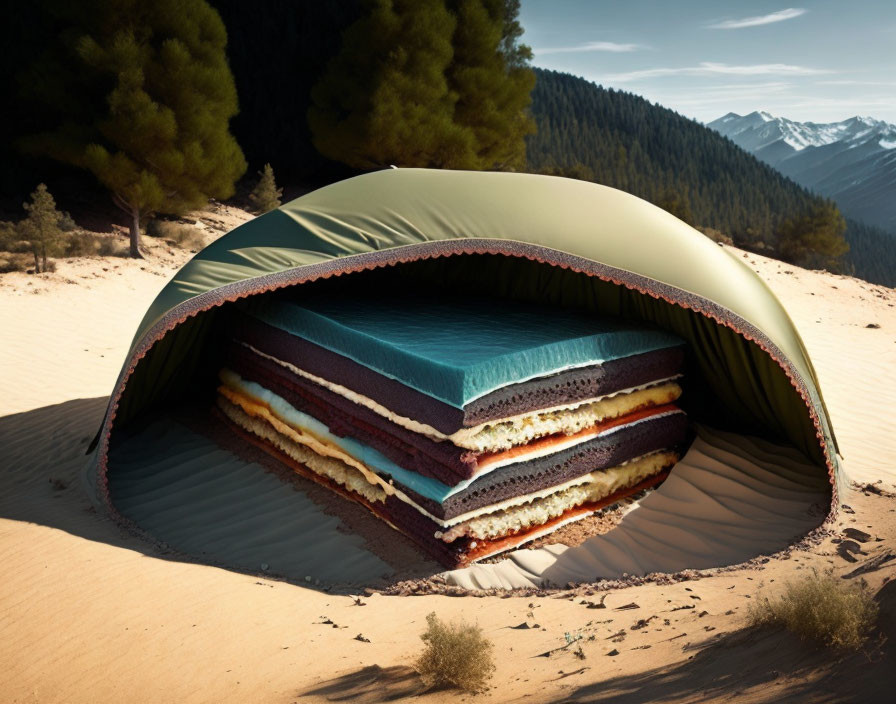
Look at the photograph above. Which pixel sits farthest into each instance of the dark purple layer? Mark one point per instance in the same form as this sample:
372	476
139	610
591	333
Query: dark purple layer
565	387
440	460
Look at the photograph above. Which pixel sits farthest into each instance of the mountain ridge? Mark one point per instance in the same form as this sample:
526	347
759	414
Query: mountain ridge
852	161
622	140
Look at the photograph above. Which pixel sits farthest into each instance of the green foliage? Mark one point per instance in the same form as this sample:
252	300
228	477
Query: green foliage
822	608
266	196
492	81
872	253
814	239
455	655
140	94
678	204
576	170
426	83
41	227
384	98
516	55
9	236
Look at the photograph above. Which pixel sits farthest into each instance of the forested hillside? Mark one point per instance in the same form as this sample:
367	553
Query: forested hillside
323	91
872	253
624	141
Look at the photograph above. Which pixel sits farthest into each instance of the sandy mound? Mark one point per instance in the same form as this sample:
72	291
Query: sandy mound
92	613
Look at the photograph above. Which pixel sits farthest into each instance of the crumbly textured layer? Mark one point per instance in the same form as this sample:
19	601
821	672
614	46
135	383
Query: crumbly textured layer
523	429
597	486
338	471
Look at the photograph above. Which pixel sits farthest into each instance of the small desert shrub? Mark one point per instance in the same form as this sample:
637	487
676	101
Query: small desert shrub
110	247
82	244
716	235
86	244
819	607
266	196
455	655
10	261
155	227
178	234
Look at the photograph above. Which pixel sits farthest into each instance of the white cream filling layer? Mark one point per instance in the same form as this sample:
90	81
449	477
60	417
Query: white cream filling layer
268	416
519	429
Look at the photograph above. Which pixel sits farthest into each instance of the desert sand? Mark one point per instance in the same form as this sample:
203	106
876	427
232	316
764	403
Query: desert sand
92	613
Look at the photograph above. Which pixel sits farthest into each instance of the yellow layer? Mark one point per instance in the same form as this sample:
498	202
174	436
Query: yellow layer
330	467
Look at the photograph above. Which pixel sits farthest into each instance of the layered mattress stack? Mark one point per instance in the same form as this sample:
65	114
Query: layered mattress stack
471	426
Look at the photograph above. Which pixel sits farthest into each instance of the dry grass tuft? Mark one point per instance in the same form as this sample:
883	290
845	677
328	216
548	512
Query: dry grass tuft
820	607
179	234
455	655
88	244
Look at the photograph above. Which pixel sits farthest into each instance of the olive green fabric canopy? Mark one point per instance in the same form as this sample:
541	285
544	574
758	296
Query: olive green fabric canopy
525	236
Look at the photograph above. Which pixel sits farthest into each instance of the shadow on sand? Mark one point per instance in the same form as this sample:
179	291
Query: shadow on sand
196	501
371	684
765	666
44	457
753	665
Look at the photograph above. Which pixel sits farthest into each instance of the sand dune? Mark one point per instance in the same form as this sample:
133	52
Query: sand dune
93	613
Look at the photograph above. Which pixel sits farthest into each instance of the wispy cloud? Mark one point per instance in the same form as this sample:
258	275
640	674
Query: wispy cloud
856	83
613	47
738	91
708	68
778	16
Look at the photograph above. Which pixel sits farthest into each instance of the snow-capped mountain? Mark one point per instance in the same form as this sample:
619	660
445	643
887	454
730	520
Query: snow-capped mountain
852	162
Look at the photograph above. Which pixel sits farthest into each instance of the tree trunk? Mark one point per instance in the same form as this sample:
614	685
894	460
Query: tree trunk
36	260
135	234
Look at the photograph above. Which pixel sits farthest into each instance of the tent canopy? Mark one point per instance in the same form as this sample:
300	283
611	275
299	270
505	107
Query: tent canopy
529	237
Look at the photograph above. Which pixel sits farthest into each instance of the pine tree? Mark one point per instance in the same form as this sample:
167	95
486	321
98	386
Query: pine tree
677	203
266	195
41	227
140	94
492	81
384	98
814	239
517	55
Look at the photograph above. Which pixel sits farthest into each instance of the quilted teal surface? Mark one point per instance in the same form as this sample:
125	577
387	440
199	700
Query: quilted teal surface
457	350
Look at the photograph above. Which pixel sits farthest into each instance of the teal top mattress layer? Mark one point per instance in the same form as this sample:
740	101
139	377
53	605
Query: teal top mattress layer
457	349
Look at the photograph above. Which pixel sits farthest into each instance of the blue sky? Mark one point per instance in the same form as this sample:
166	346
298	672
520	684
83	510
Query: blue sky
819	61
